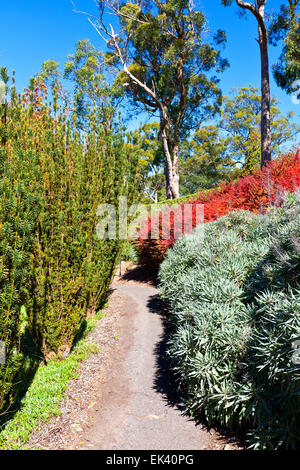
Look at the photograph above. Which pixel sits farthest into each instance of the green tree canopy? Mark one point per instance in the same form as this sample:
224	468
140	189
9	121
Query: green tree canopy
286	27
258	9
240	119
232	147
85	69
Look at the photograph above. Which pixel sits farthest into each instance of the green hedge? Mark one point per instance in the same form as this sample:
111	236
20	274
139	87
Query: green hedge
18	223
53	178
235	303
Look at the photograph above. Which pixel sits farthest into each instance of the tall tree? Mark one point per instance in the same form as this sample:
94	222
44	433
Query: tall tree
3	104
85	69
163	64
240	123
231	148
146	143
286	27
258	10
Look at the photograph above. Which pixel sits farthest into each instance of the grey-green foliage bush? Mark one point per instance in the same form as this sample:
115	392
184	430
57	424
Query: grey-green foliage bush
234	297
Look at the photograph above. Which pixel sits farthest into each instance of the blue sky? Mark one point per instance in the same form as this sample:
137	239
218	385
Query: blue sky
34	31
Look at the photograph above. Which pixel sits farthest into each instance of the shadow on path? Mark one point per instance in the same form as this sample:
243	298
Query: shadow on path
141	274
164	380
165	383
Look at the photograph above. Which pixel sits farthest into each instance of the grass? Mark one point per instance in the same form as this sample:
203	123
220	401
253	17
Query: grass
45	392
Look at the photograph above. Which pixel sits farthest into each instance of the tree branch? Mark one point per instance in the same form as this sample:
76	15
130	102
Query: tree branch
249	6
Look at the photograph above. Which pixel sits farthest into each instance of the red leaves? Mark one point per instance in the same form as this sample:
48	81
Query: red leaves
36	98
253	192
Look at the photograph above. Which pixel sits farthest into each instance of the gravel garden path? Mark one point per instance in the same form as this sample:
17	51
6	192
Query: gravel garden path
123	398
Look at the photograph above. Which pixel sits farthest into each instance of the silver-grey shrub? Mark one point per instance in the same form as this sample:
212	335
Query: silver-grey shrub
235	304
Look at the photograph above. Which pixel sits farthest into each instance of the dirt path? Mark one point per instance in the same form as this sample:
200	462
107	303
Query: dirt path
145	420
128	404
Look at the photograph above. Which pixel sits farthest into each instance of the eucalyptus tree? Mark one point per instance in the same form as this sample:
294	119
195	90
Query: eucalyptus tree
285	27
257	8
163	60
91	90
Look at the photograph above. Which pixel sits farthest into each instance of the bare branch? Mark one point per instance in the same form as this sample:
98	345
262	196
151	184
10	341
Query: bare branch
97	29
131	76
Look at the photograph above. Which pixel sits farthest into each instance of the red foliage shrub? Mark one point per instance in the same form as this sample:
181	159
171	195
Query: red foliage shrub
253	192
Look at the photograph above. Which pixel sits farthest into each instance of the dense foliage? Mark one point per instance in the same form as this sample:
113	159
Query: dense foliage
231	147
53	178
253	192
167	66
235	304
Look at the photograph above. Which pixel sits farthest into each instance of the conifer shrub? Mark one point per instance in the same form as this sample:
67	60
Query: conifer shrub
235	305
72	268
19	209
54	175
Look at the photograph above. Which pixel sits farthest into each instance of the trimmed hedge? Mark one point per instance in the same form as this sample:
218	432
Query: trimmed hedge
235	303
53	178
19	210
